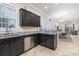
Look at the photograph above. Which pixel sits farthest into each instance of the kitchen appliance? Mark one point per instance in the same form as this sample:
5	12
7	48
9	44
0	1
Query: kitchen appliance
28	43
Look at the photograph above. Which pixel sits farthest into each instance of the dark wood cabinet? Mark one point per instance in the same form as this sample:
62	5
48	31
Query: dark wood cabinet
36	39
49	41
5	50
28	18
17	46
12	46
4	47
43	40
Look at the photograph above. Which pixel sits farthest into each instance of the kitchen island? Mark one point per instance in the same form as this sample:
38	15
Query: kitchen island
13	43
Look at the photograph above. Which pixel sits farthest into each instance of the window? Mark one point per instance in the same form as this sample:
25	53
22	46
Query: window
7	15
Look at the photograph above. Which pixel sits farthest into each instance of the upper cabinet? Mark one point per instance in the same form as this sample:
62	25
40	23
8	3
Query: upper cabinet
28	18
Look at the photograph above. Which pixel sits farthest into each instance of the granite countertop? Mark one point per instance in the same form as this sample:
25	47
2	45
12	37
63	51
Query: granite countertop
48	32
4	36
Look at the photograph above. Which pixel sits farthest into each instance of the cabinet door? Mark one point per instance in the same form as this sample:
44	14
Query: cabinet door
43	39
17	46
4	47
38	21
23	17
43	42
5	50
35	20
35	39
27	18
51	42
32	19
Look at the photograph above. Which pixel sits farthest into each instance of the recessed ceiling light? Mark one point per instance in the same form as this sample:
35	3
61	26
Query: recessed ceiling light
45	7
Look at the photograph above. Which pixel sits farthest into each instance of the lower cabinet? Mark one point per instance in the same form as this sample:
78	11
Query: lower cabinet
36	39
4	47
17	46
5	50
12	46
43	40
49	41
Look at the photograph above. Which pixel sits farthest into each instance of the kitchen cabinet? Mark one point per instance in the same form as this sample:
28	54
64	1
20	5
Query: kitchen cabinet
22	22
4	48
28	18
17	46
43	40
11	46
36	39
49	41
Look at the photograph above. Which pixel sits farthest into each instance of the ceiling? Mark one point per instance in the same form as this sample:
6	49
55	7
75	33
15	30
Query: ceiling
56	9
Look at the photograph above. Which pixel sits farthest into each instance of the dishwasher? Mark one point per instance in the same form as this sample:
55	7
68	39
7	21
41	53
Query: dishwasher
28	43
